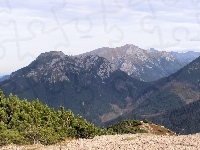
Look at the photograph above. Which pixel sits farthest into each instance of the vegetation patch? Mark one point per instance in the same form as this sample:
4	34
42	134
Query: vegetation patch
23	122
127	126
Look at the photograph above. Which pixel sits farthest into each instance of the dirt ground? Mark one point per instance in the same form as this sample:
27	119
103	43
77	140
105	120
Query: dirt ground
122	142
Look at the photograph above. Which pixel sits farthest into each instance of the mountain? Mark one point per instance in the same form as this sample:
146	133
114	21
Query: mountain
145	65
182	57
2	78
175	97
90	85
185	57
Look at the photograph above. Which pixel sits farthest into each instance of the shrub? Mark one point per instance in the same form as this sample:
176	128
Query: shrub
23	122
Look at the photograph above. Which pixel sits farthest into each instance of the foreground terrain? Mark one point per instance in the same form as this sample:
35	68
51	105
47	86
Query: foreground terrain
119	142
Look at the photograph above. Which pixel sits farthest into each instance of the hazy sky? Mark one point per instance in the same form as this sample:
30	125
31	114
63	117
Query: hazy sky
28	28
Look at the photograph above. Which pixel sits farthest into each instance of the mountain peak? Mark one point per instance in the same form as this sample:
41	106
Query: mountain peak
54	54
153	50
127	47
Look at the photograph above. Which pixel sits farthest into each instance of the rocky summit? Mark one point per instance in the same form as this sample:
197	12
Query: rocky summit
145	65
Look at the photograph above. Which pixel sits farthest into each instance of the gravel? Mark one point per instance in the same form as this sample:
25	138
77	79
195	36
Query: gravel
122	142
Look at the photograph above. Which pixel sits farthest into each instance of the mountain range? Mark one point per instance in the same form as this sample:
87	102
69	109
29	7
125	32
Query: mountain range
90	86
145	65
103	92
183	57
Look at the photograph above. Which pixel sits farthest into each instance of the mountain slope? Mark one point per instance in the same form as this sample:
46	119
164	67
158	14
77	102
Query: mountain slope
183	120
172	95
176	90
145	65
90	86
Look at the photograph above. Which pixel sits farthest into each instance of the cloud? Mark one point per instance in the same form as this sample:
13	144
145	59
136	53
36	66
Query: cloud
87	36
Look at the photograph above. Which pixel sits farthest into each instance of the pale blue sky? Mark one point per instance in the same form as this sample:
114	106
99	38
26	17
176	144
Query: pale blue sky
28	28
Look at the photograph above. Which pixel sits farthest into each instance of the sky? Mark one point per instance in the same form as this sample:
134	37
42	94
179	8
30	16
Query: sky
29	28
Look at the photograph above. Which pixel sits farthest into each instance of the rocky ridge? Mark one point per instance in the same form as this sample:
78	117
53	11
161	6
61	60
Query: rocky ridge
53	67
145	65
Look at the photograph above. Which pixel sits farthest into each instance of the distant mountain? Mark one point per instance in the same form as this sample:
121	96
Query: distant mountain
145	65
90	86
170	98
185	57
2	78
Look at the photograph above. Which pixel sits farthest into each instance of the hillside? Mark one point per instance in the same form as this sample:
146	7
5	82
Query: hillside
136	126
90	86
173	98
23	122
145	65
183	120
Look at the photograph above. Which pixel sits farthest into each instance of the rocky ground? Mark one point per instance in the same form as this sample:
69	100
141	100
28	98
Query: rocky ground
122	142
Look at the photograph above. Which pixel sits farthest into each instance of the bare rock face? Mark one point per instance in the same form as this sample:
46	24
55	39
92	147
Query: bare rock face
145	65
